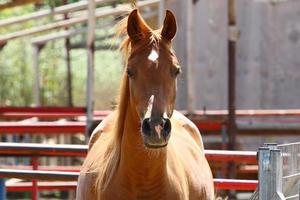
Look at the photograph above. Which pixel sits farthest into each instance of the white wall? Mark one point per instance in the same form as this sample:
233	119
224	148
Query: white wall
268	54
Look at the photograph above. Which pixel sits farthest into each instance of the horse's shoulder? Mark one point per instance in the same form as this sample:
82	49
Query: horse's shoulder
86	185
103	127
189	127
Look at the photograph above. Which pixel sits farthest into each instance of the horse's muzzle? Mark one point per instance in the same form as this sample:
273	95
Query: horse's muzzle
156	132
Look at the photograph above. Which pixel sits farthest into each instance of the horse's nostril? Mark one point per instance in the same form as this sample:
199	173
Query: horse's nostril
167	125
146	127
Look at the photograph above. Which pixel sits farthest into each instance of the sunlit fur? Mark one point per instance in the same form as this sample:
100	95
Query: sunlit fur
189	176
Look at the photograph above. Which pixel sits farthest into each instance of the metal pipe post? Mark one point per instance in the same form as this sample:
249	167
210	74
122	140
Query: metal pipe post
231	76
90	70
35	163
2	189
270	173
232	130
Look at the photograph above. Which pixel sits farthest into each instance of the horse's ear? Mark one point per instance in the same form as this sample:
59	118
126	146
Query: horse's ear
136	27
170	27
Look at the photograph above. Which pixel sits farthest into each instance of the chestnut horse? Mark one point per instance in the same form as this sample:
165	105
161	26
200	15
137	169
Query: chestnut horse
145	149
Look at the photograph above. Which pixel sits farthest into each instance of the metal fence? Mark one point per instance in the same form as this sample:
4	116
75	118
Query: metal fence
279	172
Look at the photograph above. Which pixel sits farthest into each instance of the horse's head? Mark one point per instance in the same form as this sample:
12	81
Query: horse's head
152	70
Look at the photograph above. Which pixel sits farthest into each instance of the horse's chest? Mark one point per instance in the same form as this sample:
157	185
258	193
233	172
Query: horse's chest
143	190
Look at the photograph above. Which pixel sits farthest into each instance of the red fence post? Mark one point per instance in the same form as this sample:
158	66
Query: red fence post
35	163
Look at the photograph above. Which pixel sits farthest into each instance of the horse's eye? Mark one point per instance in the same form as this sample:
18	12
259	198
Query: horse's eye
177	71
130	73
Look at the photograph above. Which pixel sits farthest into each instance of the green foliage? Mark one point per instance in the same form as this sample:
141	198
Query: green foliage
17	74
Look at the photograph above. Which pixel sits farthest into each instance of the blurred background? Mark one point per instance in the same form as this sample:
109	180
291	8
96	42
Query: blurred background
240	83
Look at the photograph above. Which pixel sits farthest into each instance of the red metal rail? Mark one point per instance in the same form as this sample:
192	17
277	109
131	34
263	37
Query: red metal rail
67	127
42	127
27	186
46	112
226	156
44	168
220	184
82	111
8	109
235	184
32	149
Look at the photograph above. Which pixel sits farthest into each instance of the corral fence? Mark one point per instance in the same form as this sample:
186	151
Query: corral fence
279	172
65	178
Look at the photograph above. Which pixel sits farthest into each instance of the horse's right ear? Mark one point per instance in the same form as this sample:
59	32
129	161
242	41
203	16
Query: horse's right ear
169	28
136	27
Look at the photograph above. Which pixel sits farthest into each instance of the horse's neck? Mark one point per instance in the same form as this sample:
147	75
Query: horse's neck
136	160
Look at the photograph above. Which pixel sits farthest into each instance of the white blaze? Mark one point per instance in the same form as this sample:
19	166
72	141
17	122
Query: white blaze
153	56
149	107
158	129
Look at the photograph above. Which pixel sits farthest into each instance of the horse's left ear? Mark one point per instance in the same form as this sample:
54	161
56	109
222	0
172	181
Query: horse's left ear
170	27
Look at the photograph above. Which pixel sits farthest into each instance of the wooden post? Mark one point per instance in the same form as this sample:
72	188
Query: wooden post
2	44
68	63
36	69
90	65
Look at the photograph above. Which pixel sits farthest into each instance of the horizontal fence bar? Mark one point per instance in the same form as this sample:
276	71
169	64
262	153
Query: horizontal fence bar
71	127
42	109
99	13
225	184
46	112
50	12
27	186
250	113
221	184
39	175
33	149
235	184
68	127
43	168
246	113
222	155
77	168
42	127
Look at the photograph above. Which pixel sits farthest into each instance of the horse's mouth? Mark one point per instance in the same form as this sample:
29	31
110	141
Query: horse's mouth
155	146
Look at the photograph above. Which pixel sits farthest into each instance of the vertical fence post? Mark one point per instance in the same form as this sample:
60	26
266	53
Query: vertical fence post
161	12
299	190
37	82
270	173
35	163
90	67
2	189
